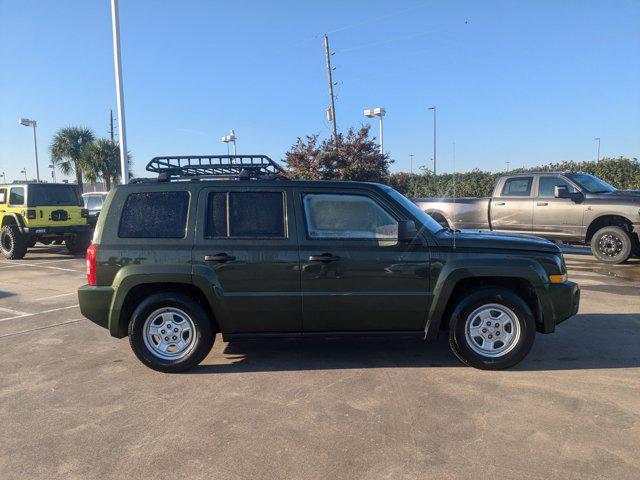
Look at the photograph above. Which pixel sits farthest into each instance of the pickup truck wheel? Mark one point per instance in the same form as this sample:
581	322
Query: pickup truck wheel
611	245
492	329
170	332
12	243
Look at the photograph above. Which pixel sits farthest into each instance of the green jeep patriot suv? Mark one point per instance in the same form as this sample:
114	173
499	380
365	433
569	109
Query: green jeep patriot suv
229	245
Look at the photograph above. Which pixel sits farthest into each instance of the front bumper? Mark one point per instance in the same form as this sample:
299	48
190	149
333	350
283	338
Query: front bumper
61	230
562	301
95	303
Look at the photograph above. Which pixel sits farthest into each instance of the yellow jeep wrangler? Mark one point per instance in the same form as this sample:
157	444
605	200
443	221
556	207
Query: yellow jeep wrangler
42	212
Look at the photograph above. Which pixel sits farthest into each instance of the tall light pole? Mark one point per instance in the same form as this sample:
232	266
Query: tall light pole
53	172
434	138
32	123
332	105
377	112
230	138
411	155
598	140
117	63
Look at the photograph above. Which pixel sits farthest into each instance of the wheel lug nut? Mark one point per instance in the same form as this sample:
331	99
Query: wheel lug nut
484	330
489	323
169	325
175	330
166	339
490	336
497	333
163	331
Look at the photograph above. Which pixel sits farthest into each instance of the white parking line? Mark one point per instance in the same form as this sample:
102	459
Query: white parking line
55	296
13	312
24	315
21	264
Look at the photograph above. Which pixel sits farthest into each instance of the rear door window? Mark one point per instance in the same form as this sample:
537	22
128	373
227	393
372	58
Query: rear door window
245	215
16	196
154	215
517	187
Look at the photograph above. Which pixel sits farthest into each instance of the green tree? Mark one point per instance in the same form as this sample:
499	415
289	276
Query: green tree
101	159
354	156
66	151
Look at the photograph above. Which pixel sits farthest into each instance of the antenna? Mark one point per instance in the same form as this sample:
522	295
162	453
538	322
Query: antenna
454	194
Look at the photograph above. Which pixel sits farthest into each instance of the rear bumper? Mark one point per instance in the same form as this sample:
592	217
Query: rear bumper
562	302
61	230
95	303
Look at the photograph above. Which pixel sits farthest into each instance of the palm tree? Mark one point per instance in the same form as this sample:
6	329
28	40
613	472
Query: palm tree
102	159
66	150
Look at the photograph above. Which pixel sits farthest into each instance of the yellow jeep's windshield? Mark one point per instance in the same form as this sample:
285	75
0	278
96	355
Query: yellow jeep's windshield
54	195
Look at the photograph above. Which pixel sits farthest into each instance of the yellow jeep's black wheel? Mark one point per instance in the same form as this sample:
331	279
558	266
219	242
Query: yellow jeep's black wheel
12	243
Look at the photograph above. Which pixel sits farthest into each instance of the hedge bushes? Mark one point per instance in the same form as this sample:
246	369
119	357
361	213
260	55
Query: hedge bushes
620	172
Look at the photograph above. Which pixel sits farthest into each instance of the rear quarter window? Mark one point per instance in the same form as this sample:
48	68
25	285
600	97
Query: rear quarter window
154	215
3	195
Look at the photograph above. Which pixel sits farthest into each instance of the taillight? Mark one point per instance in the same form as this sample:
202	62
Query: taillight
92	253
84	213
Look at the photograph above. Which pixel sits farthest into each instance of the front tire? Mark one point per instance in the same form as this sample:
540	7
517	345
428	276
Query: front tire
492	329
12	243
611	245
170	332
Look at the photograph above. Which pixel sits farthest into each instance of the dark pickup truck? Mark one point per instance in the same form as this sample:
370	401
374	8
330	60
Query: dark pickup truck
567	207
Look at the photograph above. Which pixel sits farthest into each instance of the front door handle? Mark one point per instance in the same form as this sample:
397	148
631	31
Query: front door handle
325	257
499	203
542	204
220	257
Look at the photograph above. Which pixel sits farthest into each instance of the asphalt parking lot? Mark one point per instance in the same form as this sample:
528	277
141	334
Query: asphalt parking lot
76	403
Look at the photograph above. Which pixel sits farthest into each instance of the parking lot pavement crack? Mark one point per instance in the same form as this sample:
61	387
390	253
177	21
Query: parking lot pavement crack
41	328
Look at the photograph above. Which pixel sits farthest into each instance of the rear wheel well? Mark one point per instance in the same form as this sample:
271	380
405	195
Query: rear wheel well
140	292
607	221
519	286
440	218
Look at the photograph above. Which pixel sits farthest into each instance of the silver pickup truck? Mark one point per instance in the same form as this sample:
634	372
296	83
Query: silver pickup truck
568	207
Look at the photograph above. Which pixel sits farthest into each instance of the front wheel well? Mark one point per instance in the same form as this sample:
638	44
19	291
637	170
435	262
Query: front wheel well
608	221
140	292
519	286
8	220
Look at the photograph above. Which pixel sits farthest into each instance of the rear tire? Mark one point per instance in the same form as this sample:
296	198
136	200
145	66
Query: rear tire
78	244
159	324
611	245
12	243
491	329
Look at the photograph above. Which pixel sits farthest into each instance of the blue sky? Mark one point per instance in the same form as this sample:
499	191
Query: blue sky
525	82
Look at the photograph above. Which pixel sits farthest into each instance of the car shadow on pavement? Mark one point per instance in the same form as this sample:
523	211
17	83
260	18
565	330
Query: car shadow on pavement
587	341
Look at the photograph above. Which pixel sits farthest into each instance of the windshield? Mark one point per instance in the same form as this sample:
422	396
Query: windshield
415	210
590	183
46	195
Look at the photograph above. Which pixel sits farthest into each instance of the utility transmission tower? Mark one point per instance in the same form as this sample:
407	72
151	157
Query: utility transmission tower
332	108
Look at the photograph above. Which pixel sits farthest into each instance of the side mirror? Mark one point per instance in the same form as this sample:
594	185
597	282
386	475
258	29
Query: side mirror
407	231
561	191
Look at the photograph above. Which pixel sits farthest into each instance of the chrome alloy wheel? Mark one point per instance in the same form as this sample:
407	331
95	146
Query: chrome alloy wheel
492	330
610	245
169	333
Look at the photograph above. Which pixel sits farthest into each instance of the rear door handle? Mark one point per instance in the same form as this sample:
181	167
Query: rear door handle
325	257
220	257
499	203
542	204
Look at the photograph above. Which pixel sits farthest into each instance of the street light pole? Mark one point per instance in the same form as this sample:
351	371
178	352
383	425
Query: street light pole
434	138
377	112
598	139
33	124
411	157
24	170
117	62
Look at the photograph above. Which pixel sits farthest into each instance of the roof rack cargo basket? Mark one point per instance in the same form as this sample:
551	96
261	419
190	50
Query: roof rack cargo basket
223	167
